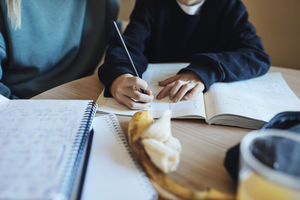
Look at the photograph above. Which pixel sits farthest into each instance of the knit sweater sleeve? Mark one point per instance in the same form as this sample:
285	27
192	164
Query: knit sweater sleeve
135	37
242	58
4	89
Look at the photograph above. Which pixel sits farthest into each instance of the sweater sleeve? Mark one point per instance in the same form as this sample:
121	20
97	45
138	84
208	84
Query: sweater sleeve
242	56
4	90
138	31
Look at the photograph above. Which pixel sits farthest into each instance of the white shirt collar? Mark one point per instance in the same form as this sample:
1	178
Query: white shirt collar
191	10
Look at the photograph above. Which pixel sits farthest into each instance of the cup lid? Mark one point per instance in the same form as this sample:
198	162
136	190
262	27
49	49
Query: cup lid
274	154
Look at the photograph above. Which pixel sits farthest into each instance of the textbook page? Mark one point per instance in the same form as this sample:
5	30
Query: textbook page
193	108
258	98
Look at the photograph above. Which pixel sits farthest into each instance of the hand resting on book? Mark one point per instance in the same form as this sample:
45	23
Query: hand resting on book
181	86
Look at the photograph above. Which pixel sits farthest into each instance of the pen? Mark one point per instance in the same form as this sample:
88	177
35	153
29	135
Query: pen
127	52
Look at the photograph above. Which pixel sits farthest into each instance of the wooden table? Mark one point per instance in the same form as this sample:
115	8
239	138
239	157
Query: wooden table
204	145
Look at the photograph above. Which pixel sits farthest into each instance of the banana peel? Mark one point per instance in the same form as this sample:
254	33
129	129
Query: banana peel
161	131
164	157
162	148
165	186
139	122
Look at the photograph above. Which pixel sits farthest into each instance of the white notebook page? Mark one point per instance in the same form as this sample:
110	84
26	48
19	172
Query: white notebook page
36	137
111	173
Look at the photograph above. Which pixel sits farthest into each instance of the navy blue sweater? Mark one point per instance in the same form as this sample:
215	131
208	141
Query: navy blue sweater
219	43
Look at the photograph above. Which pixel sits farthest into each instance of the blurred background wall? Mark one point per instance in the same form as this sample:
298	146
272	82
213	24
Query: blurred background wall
277	22
126	7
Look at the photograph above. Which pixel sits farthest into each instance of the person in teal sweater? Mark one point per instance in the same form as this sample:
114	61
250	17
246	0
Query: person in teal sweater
47	43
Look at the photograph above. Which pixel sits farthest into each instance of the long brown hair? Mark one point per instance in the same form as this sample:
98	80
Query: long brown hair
14	13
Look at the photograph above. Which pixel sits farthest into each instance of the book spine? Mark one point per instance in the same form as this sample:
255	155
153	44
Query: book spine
73	164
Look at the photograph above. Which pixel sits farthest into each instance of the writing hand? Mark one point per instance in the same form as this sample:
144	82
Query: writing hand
126	89
181	87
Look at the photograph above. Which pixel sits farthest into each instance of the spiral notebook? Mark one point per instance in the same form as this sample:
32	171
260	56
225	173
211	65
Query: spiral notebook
43	144
112	172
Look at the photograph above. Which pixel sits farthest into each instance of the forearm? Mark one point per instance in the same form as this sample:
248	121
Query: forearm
229	66
116	61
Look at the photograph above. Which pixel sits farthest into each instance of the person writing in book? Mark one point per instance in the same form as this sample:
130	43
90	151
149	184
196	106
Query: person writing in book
47	43
213	36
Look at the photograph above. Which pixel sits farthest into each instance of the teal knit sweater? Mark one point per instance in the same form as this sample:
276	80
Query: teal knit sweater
58	41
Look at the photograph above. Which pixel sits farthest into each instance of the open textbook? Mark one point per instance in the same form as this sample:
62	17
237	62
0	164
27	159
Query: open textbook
249	103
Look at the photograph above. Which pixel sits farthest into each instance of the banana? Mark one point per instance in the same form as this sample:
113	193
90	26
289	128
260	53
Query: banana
159	157
174	144
139	122
162	148
164	157
160	129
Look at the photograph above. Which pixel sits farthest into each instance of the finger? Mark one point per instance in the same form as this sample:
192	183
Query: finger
168	81
145	98
183	90
197	89
137	83
149	92
165	91
178	84
130	103
138	95
140	85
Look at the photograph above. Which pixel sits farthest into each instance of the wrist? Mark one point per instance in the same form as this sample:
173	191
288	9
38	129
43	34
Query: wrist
117	81
192	75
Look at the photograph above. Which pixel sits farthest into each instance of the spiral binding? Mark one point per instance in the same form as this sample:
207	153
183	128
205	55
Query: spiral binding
72	166
113	123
